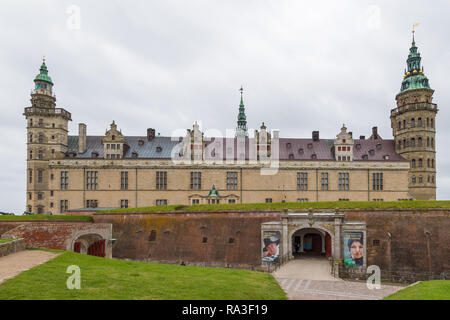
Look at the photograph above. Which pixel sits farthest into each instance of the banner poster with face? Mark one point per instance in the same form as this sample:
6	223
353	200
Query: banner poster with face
354	248
271	246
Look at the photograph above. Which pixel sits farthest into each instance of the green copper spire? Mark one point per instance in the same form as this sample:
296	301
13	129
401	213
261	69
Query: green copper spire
213	192
241	129
43	75
414	77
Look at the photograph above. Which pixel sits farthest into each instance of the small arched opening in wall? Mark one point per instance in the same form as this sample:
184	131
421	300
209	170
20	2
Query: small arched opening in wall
91	244
313	242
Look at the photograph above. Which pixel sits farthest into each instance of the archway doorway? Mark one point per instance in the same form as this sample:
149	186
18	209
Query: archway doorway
311	242
90	244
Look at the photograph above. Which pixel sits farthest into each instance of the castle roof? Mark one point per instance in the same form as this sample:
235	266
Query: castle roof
291	149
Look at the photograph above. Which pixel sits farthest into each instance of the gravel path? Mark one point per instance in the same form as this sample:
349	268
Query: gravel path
13	264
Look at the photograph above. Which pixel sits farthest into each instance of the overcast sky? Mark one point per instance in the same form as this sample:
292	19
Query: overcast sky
304	66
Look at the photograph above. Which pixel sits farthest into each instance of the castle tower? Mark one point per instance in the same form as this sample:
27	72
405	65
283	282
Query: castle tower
47	128
241	129
413	124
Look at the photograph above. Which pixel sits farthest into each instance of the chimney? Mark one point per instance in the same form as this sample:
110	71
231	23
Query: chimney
351	134
375	132
81	138
362	137
150	134
315	135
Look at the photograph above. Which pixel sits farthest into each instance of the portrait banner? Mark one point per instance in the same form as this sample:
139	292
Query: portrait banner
354	248
271	246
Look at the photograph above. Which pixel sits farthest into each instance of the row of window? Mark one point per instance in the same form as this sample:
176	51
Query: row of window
113	146
412	123
232	177
40	123
419	163
430	179
412	143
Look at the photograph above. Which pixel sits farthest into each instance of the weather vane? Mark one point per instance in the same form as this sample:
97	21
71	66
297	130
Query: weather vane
415	25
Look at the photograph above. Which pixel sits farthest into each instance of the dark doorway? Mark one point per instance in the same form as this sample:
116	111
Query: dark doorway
312	243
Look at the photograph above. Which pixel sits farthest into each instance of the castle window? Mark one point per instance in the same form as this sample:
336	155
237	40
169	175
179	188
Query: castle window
161	180
40	196
51	193
94	154
432	163
413	142
52	176
371	152
376	243
428	165
302	181
300	151
310	145
41	123
377	181
31	122
428	122
53	151
162	202
428	142
91	180
344	184
432	142
30	175
302	200
195	201
231	240
63	206
232	180
134	155
399	125
64	180
404	124
419	122
31	154
41	138
40	176
124	203
40	210
268	200
420	179
158	149
314	156
339	148
288	145
124	180
51	204
113	146
432	179
140	143
108	146
413	180
420	163
91	203
413	123
53	125
419	142
113	137
29	195
291	156
432	124
118	147
413	163
205	240
231	200
40	154
196	181
324	177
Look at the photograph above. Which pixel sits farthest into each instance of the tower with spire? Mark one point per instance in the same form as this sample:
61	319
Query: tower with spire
413	124
241	129
47	128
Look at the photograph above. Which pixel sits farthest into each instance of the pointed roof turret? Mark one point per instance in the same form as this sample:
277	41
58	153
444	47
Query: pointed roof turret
414	77
241	129
43	75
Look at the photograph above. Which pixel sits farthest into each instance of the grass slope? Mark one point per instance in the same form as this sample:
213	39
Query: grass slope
287	205
118	279
45	217
426	290
6	240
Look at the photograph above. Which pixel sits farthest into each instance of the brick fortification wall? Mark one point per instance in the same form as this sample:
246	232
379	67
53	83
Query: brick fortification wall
51	235
407	240
11	247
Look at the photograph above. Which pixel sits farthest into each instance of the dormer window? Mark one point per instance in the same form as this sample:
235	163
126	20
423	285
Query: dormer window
300	151
314	156
372	152
365	157
158	149
310	145
134	155
358	146
291	156
141	143
379	146
113	137
386	157
288	145
94	154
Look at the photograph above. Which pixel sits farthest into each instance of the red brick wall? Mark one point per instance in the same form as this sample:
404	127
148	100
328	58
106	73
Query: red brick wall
51	235
179	237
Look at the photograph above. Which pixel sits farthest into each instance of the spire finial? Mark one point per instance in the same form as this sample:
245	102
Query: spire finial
43	58
415	25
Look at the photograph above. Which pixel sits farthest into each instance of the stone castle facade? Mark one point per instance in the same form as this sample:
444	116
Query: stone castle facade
74	172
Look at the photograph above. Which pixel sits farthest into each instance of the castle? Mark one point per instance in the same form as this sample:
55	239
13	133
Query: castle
73	172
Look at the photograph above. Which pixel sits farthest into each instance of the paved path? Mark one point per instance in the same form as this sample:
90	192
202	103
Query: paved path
310	279
13	264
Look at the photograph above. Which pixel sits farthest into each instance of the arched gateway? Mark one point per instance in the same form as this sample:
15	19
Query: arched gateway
309	233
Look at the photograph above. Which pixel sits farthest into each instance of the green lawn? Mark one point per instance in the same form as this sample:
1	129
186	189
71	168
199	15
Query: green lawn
6	240
287	205
118	279
426	290
45	217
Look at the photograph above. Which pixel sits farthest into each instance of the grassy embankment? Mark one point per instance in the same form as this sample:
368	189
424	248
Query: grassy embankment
287	205
118	279
6	240
425	290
